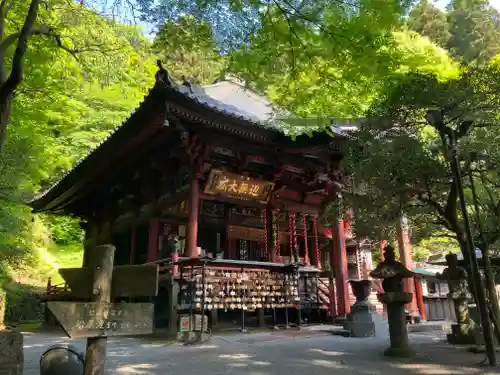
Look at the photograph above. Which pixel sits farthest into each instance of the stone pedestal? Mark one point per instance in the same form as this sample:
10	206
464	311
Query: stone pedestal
464	332
359	321
398	333
11	353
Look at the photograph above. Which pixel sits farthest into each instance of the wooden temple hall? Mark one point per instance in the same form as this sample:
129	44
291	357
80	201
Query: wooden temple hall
199	176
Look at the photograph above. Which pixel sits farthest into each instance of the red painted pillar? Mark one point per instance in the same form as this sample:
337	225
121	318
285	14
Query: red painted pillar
419	292
331	296
338	261
153	240
316	243
306	239
192	226
382	245
405	255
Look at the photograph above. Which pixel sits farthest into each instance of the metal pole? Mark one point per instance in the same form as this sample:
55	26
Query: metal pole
474	266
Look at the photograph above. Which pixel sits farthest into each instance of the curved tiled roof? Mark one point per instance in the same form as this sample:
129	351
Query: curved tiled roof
229	99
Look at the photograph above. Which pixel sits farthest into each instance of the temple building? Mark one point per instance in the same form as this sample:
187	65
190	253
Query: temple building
208	167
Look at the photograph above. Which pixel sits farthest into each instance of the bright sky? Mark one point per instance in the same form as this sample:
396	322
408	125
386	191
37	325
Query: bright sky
444	3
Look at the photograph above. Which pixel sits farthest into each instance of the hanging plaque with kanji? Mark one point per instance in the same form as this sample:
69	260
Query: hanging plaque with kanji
238	187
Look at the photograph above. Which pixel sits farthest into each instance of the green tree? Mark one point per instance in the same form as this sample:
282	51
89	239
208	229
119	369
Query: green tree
25	26
429	21
188	49
475	34
64	108
401	158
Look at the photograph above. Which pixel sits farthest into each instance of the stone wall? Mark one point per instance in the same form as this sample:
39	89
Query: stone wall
11	349
23	304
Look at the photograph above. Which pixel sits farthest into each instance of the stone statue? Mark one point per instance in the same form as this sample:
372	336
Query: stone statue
174	243
456	277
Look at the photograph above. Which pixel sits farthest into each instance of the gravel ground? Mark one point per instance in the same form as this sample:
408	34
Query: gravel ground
277	353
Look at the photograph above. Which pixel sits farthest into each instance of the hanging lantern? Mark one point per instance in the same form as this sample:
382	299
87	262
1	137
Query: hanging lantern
316	242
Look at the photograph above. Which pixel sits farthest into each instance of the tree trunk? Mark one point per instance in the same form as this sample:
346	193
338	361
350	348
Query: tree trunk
493	299
468	266
8	87
5	111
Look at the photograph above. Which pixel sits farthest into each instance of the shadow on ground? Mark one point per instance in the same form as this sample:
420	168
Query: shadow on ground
273	354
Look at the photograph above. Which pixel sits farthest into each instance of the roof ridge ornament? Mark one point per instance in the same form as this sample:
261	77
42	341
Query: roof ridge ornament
186	82
162	75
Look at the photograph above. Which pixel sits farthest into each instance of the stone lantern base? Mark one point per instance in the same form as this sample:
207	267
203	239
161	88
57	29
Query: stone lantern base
398	331
359	321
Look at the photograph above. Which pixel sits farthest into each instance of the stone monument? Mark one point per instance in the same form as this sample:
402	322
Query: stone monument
463	332
394	297
359	321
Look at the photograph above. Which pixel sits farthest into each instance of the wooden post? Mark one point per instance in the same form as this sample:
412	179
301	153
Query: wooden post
338	261
192	227
89	243
133	241
420	297
153	240
103	271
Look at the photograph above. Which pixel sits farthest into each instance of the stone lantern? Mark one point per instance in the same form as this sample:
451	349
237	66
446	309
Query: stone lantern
359	321
395	298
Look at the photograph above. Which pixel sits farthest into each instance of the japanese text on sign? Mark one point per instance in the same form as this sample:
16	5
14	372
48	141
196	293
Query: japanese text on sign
237	186
226	185
108	325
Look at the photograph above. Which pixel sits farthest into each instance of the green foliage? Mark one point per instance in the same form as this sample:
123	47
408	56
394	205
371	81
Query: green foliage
475	33
429	21
64	108
469	29
188	49
438	244
318	81
399	156
235	21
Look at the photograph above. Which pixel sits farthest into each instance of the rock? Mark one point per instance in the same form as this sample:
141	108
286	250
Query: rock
11	349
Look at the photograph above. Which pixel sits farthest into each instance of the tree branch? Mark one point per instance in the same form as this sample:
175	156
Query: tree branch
11	38
16	74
